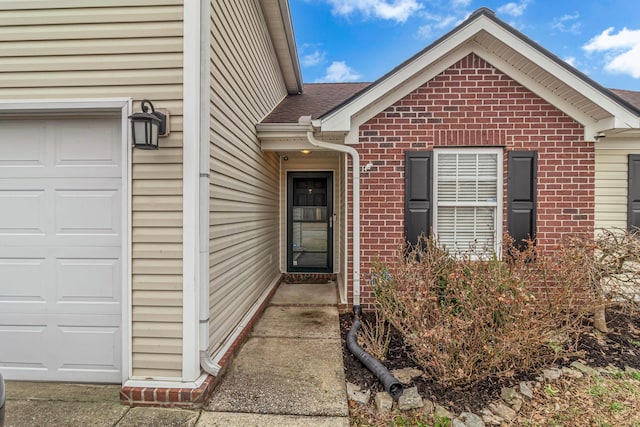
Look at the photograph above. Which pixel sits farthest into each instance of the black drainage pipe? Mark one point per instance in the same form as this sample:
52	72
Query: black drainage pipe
390	383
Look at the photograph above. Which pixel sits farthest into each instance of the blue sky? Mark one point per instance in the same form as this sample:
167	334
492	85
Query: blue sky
360	40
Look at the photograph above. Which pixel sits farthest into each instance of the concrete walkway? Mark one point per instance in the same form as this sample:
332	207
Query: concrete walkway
289	373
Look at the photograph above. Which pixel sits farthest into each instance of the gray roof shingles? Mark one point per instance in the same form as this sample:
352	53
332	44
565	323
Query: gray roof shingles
314	101
632	97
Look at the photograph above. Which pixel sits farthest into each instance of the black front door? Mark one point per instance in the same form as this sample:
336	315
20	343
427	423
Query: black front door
309	221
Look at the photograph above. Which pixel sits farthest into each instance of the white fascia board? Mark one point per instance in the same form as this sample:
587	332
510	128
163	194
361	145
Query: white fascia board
435	60
340	120
408	86
543	92
562	74
274	133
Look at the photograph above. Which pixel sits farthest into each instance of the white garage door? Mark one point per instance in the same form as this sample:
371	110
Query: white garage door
60	249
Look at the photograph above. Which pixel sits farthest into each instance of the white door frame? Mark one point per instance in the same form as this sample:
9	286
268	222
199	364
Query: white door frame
80	107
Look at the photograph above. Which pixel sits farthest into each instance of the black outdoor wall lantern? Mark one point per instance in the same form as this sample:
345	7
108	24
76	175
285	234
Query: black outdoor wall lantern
147	127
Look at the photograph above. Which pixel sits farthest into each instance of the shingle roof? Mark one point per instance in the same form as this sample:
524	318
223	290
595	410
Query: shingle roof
632	97
320	98
315	100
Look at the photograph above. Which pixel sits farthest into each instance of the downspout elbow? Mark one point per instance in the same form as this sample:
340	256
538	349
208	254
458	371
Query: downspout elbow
208	365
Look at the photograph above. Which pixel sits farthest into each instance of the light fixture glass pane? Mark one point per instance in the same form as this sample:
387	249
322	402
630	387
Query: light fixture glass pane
140	132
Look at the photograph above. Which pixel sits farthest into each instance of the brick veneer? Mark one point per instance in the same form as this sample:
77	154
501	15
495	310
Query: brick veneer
191	398
472	104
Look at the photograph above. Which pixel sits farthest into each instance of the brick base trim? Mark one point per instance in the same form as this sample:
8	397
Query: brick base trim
187	398
191	398
309	277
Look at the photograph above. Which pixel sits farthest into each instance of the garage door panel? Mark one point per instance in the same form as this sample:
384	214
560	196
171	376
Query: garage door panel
22	143
99	346
28	349
23	280
92	280
94	211
83	143
60	212
22	211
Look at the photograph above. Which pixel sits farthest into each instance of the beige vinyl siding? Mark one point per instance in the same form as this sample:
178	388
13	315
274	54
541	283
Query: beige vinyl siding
316	161
245	86
53	49
611	177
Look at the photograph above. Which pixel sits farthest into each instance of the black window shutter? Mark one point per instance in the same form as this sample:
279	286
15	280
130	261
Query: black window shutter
417	195
633	210
521	195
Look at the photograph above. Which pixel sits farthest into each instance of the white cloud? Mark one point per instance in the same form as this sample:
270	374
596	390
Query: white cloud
394	10
460	3
571	60
312	59
622	50
567	23
513	8
339	72
427	31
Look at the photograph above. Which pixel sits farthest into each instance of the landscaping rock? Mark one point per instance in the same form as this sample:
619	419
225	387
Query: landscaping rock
406	375
516	404
443	412
427	407
610	371
503	411
572	373
383	401
508	394
551	374
525	390
468	419
410	399
354	393
490	418
587	370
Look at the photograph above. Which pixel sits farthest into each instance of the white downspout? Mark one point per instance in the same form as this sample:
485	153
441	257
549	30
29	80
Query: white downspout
206	363
355	156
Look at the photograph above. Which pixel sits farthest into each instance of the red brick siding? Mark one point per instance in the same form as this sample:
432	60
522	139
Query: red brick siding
472	104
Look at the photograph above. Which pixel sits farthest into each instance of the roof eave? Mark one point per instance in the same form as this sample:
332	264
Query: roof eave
280	26
623	113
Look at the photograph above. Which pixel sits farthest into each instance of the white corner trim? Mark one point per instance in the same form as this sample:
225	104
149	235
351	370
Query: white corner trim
190	192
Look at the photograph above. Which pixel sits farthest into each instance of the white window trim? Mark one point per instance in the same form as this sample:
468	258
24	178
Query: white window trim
499	228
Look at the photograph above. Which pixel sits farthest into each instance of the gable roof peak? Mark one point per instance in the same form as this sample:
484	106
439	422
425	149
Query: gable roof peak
482	11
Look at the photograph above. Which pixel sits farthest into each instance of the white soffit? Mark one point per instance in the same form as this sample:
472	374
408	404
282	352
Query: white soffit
513	55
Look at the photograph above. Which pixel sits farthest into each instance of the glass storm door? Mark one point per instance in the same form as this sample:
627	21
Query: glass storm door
309	221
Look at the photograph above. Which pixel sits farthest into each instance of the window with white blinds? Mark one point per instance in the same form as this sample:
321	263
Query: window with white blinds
468	198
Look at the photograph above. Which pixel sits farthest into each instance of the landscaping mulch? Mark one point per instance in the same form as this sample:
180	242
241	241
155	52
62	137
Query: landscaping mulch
620	348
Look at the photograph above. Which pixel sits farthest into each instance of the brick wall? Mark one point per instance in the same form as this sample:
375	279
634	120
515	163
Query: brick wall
472	104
